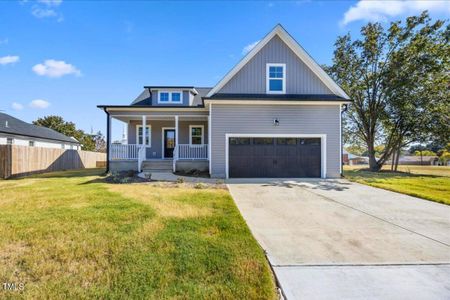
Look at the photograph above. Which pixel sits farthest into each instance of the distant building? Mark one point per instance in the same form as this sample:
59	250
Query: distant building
417	160
17	132
351	159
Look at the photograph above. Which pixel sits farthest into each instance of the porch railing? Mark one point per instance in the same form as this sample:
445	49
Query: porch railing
186	151
120	151
183	151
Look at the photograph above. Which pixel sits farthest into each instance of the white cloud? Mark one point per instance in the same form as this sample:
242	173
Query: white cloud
47	9
381	10
43	12
249	47
39	103
9	59
51	2
55	68
16	106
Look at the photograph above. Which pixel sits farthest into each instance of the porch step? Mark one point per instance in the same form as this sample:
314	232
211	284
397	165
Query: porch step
157	165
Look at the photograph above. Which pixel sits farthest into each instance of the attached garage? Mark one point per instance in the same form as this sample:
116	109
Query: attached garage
275	157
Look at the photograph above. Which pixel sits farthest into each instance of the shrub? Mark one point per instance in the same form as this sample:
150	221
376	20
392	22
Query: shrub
199	185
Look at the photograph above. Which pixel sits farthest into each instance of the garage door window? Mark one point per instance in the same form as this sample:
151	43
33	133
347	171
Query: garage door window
312	142
286	141
240	141
263	141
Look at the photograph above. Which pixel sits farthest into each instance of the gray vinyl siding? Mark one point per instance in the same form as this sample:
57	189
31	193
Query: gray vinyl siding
184	102
258	119
156	134
251	79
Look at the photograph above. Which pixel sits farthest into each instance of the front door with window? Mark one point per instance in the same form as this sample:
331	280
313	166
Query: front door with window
169	142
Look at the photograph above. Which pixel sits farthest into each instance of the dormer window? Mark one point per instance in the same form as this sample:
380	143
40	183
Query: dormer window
170	97
276	78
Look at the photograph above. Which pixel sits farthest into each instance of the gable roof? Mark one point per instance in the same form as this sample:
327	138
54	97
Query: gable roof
296	48
11	125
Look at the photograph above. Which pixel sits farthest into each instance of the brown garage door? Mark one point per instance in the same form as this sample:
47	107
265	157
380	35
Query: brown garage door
274	157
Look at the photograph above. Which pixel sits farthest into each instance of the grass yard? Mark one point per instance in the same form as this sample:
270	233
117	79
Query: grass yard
71	235
427	182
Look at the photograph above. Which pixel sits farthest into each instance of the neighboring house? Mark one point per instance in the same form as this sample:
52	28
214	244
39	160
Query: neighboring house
275	114
352	159
16	132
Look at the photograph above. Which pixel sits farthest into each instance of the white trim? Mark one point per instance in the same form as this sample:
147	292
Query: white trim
323	146
190	134
162	140
149	136
170	100
296	48
268	91
273	102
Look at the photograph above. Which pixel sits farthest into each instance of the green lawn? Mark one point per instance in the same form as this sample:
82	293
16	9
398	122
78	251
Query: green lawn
71	235
427	182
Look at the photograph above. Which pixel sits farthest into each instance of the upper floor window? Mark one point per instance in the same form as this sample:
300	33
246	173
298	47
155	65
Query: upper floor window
276	78
170	97
9	141
163	97
31	143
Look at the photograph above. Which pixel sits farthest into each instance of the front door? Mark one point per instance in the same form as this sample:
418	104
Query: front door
169	142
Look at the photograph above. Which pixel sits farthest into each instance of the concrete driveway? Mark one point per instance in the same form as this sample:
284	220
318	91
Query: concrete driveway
332	239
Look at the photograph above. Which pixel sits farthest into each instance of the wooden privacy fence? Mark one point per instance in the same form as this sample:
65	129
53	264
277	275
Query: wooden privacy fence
23	160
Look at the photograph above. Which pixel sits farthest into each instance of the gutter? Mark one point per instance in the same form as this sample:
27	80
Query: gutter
108	137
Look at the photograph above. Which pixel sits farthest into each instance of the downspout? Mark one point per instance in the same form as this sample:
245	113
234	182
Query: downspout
108	138
343	110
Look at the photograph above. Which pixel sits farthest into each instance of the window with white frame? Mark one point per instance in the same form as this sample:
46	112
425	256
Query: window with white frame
9	141
31	143
148	135
163	97
170	97
196	134
276	78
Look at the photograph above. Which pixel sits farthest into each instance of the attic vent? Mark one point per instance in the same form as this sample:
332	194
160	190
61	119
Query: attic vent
6	124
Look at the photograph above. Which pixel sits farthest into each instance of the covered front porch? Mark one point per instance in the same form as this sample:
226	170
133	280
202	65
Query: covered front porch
160	139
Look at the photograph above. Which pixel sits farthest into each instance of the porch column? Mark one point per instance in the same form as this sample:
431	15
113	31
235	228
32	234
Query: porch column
176	133
144	124
175	157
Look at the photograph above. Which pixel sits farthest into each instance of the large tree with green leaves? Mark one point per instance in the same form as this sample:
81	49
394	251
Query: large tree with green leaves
57	123
398	79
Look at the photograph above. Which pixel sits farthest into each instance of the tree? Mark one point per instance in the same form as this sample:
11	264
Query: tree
397	79
57	123
100	142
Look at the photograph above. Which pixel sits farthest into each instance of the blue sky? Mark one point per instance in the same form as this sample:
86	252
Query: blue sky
66	57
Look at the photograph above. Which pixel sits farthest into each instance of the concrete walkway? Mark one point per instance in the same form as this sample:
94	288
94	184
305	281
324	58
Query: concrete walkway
332	239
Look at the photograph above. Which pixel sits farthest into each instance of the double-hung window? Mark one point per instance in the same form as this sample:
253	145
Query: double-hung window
139	134
276	78
163	97
9	141
196	134
170	97
31	143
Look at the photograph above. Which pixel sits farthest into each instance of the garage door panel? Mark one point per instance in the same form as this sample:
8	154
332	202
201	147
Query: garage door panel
274	157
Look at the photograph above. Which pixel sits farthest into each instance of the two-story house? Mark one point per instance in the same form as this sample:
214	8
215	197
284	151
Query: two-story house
275	114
